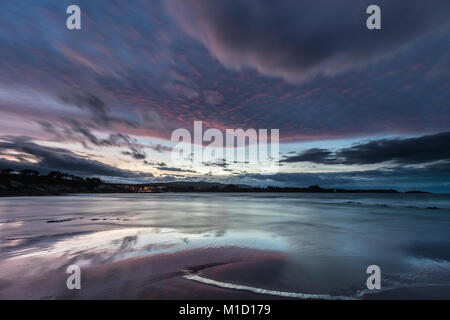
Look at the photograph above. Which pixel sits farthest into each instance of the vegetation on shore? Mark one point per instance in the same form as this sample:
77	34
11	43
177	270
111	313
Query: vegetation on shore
32	183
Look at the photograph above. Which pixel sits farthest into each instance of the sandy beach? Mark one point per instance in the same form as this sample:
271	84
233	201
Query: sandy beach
186	246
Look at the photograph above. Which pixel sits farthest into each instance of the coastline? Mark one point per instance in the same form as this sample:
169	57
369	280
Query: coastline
18	185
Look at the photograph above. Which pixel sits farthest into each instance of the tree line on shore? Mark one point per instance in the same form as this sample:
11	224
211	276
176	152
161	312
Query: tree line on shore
52	175
12	181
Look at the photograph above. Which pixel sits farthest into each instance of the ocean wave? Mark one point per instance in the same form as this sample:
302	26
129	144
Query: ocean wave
284	294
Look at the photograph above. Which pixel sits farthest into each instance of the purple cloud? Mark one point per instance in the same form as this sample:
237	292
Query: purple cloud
296	39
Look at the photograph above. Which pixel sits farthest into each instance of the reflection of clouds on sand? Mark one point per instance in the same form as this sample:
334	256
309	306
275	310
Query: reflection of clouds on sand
12	224
113	245
156	276
11	243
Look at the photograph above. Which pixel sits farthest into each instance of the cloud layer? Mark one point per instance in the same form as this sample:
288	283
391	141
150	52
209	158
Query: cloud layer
115	90
46	159
295	39
423	149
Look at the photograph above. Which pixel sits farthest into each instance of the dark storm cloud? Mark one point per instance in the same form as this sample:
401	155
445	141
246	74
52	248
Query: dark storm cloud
162	166
135	153
298	38
174	169
406	151
49	159
83	134
101	114
220	163
316	155
88	101
423	149
87	134
86	137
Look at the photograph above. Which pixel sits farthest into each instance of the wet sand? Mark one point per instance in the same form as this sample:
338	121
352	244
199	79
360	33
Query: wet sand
247	274
155	277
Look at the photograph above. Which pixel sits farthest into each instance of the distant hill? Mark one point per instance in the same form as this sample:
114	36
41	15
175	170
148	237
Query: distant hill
199	185
31	183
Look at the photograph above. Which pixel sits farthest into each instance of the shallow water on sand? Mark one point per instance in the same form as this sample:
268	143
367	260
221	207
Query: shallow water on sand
181	246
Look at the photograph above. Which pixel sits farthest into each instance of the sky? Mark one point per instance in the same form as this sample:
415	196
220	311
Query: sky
355	108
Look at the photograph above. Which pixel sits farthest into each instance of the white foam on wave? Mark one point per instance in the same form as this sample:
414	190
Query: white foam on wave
284	294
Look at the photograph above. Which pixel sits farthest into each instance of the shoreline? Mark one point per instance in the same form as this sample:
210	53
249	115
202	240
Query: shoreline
204	192
19	185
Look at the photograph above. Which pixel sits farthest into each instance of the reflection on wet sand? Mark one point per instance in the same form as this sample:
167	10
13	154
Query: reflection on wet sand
216	246
159	276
